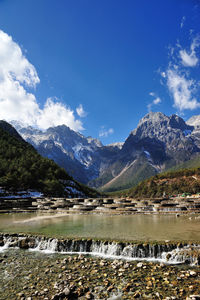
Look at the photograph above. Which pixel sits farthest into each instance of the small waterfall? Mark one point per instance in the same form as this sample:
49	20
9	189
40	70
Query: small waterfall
6	242
4	247
172	253
105	248
187	254
45	245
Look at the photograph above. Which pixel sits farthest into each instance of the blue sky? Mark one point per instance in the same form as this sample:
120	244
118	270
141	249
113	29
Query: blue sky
98	66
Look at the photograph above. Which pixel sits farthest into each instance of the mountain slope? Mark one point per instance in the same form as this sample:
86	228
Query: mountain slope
82	157
22	168
158	143
167	184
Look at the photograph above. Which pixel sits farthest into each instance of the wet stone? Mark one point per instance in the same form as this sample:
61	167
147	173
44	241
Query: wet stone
43	277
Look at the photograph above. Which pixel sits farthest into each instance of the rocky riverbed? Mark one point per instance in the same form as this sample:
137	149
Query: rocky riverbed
40	267
34	275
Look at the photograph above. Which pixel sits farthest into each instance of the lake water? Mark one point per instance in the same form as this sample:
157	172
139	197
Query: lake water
125	227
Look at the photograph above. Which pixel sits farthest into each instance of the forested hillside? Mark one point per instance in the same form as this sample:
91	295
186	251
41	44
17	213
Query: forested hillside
22	168
168	184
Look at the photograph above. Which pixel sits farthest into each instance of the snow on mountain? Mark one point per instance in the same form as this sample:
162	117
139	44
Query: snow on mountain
69	149
158	142
194	121
118	145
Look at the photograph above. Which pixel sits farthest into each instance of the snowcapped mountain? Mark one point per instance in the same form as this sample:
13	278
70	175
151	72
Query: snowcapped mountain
81	156
158	143
26	172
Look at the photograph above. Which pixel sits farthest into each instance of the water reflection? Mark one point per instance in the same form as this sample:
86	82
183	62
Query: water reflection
132	227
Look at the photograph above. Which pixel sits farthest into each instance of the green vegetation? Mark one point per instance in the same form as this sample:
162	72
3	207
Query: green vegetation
129	177
168	183
192	163
22	168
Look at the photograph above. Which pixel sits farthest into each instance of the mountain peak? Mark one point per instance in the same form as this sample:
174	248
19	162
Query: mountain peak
157	118
154	117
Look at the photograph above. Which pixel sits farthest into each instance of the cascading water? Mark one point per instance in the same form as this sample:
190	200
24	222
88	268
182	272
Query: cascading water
46	246
168	253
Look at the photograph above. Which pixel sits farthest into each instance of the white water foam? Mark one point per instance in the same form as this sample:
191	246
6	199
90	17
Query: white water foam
3	248
111	251
48	247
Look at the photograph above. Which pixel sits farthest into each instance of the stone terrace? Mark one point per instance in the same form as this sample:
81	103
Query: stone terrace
102	205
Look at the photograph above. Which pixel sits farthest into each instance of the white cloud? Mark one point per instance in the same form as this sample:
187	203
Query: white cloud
182	90
80	111
156	101
190	59
182	21
179	77
105	133
14	64
17	74
163	74
55	113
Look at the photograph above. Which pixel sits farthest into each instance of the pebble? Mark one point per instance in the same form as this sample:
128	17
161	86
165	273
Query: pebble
193	273
89	295
139	265
100	279
66	291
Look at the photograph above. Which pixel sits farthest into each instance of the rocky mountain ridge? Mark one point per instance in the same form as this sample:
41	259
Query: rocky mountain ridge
159	142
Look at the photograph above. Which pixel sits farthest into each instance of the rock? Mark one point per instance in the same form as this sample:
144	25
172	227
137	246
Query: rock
65	260
55	297
149	283
102	263
21	295
46	271
168	256
126	266
121	270
137	294
23	244
89	295
193	273
66	291
139	265
58	296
